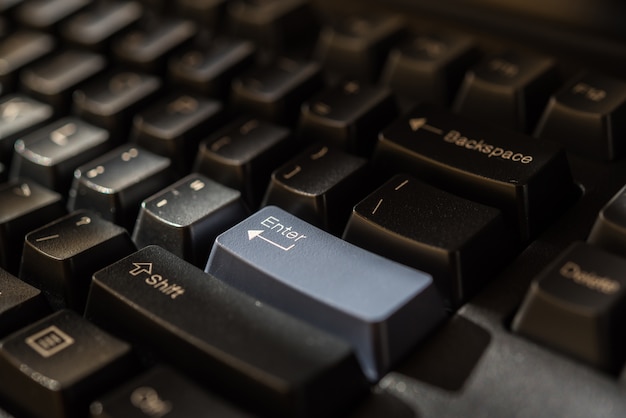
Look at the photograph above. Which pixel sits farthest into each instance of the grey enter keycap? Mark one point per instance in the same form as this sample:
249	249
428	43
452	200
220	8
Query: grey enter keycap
381	307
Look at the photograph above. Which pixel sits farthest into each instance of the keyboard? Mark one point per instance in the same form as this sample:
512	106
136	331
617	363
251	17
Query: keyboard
285	208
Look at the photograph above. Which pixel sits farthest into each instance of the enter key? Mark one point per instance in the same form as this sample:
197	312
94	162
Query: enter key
381	307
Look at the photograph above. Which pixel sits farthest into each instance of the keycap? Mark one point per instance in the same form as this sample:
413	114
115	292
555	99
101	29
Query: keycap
276	25
20	304
248	351
147	48
50	155
243	155
429	66
111	100
54	79
609	229
509	89
587	116
174	126
276	92
348	116
319	185
162	392
576	306
185	218
53	368
529	180
94	27
25	206
381	307
356	45
20	49
210	70
115	184
461	243
19	115
46	14
60	257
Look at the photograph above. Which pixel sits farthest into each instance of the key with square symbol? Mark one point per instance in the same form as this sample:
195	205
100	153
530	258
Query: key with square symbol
62	361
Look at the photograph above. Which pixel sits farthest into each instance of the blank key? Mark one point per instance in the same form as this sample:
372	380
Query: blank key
382	308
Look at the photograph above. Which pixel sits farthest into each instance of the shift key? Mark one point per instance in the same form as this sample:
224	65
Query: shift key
381	307
259	357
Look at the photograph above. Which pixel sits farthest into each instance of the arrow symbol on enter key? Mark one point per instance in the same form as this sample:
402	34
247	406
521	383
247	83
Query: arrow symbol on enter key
256	233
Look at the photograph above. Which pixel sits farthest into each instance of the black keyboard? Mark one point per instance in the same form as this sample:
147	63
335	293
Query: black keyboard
286	208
